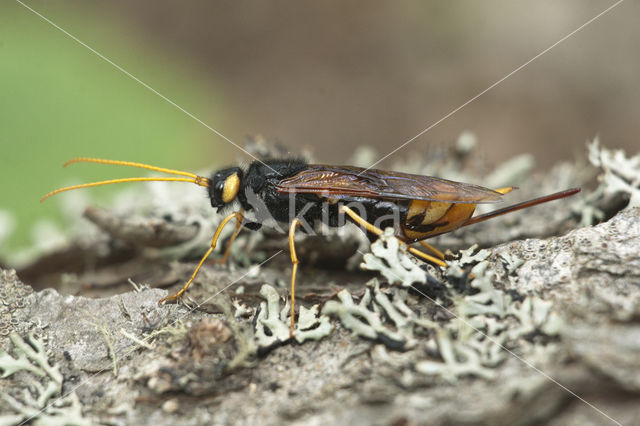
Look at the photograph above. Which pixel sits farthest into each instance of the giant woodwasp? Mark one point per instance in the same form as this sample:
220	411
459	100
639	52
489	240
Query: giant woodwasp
296	193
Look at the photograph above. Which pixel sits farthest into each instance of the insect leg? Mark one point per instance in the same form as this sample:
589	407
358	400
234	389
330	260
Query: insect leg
427	257
375	230
294	261
239	218
432	249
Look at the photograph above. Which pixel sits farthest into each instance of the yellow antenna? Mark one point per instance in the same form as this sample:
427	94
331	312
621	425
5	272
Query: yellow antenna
129	164
191	177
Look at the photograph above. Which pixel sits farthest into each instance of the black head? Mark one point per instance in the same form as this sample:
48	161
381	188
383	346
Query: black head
224	186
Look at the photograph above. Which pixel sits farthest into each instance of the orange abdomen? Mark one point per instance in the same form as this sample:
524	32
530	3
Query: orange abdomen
428	218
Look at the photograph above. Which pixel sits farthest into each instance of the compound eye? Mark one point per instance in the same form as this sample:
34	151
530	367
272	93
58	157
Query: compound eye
230	188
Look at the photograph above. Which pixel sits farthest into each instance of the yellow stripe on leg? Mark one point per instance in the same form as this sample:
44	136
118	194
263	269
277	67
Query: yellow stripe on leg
427	257
432	249
239	217
369	227
360	221
294	261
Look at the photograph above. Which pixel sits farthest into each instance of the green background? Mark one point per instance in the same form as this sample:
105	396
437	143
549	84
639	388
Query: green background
59	100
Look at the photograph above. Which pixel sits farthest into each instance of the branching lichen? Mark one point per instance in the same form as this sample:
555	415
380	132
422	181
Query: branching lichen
392	262
458	359
272	322
484	319
368	323
620	174
30	357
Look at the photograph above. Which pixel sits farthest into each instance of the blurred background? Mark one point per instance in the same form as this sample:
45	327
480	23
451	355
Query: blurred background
325	77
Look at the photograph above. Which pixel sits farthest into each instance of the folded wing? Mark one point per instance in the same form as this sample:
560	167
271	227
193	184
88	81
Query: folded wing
348	181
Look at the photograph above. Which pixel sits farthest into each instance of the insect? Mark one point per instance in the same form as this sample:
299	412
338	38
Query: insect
300	194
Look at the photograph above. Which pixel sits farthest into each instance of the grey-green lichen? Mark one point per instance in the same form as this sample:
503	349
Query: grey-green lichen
272	322
366	319
458	359
620	174
482	323
390	259
41	399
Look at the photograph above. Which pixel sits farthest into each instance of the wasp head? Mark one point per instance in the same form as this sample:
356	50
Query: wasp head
224	186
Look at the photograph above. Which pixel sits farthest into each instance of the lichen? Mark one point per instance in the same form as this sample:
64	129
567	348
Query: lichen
483	320
620	174
471	256
392	261
104	329
458	359
511	262
366	319
272	322
35	403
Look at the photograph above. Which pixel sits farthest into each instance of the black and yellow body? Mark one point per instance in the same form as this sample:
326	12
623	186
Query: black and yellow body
299	194
292	189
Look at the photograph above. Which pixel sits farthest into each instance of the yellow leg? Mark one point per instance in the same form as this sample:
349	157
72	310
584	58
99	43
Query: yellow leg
239	217
369	227
432	249
427	257
294	262
224	258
